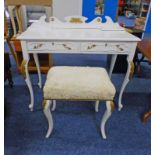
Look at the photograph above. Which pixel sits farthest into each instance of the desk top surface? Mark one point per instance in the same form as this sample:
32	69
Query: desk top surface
65	31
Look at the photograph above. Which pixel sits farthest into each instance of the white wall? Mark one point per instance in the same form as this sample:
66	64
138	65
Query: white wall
63	8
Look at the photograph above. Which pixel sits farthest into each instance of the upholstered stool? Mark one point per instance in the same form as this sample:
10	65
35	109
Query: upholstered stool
78	83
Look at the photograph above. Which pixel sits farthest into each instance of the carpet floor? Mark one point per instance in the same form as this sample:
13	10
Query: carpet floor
76	125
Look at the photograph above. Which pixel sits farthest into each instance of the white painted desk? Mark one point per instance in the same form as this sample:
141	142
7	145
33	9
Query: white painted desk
76	36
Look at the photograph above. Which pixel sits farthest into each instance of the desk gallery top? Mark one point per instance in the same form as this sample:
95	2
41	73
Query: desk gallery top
76	29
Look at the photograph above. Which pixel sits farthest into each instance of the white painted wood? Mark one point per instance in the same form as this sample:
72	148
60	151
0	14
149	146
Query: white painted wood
105	117
49	118
48	11
54	105
27	79
65	8
35	56
126	79
85	38
97	106
113	60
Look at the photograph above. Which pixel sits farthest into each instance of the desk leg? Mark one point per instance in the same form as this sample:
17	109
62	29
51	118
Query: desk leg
35	56
24	70
113	60
128	76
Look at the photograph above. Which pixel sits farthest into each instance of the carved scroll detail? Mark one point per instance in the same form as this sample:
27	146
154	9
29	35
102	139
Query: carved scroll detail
76	20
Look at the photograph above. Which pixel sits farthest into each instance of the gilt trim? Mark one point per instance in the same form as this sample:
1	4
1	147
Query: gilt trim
43	104
76	20
112	105
132	67
23	68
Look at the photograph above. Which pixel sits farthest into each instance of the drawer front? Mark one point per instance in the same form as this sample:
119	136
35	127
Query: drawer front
55	46
65	46
37	46
101	47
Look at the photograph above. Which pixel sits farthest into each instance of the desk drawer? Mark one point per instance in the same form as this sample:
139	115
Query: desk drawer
109	46
37	46
65	46
55	46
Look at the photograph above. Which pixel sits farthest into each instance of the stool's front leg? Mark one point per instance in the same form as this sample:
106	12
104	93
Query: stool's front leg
128	76
35	56
97	105
110	107
53	105
46	108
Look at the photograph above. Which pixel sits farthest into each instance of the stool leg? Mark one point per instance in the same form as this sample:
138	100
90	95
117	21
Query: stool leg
97	105
54	105
48	115
107	114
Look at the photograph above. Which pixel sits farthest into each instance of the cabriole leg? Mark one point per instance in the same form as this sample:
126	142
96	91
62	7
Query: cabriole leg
25	73
48	115
128	76
107	114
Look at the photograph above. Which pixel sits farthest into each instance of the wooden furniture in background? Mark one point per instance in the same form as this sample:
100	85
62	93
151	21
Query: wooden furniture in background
14	7
145	48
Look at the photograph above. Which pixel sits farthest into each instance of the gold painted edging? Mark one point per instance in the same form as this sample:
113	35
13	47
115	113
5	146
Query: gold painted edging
131	69
23	68
112	106
75	20
44	104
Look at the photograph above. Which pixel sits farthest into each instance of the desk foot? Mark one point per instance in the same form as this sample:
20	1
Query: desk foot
31	107
120	106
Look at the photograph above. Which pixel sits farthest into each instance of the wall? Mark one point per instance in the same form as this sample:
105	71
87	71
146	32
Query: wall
110	8
148	25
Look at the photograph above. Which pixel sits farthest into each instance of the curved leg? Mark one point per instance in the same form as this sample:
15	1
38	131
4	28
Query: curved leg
54	105
48	115
97	105
107	114
128	76
24	70
113	60
35	56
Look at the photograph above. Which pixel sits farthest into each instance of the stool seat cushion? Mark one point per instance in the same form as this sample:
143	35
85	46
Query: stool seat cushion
78	83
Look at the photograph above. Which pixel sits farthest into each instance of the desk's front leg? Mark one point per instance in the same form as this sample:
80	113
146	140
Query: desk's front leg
25	72
128	76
